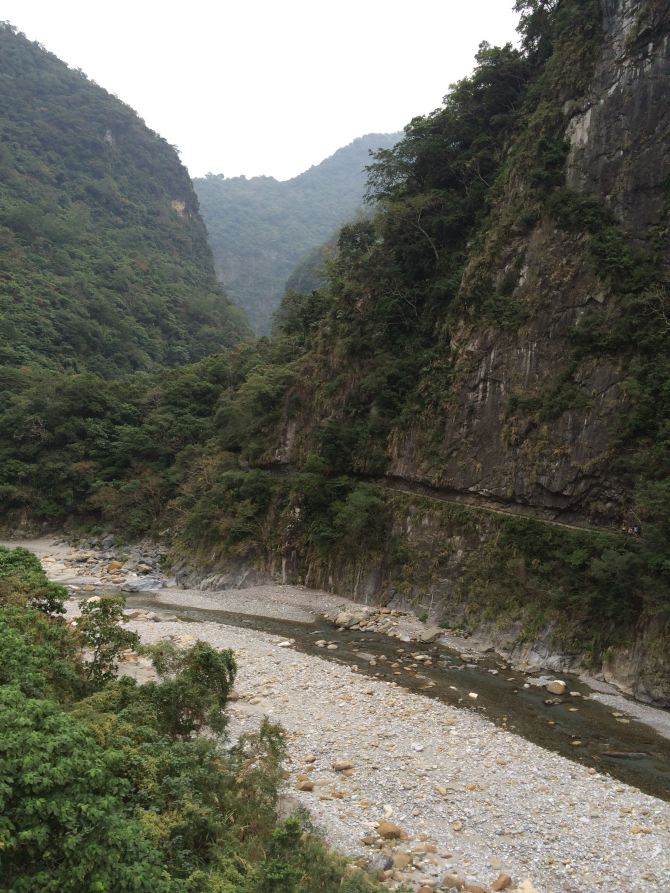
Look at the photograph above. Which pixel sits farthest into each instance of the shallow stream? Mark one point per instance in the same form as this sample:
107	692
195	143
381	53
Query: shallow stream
577	727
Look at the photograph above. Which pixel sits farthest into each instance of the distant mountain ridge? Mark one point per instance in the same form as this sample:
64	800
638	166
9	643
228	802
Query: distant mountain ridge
261	228
104	261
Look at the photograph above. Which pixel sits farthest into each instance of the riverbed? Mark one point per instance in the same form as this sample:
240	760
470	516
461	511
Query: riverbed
478	772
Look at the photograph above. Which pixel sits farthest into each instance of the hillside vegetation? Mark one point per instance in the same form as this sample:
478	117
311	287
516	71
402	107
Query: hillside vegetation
106	785
489	330
104	258
260	228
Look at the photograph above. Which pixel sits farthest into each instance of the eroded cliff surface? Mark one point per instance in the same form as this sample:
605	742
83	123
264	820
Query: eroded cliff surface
620	134
508	404
499	333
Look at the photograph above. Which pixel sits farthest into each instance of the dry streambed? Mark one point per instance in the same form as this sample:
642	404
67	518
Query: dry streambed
463	798
429	795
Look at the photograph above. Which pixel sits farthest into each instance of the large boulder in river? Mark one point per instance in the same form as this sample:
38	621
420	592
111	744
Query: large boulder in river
145	584
429	634
345	618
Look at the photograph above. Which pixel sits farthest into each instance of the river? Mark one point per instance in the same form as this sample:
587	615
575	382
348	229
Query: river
578	727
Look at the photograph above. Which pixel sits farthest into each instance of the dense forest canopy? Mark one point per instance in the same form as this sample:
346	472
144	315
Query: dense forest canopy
104	258
260	228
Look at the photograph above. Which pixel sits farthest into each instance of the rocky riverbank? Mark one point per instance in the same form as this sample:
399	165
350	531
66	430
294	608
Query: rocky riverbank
425	794
468	799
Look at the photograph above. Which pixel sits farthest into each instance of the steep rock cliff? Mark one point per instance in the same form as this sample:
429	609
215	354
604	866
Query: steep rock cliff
498	335
620	134
516	412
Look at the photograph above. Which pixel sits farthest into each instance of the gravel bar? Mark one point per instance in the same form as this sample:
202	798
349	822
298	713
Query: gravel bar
471	802
487	799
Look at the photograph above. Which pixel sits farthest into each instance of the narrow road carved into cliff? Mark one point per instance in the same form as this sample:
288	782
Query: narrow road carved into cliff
466	499
481	503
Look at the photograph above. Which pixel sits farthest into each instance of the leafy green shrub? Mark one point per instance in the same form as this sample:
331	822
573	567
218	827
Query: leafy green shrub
105	785
100	634
65	825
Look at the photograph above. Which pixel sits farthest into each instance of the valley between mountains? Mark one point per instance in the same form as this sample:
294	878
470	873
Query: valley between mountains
338	560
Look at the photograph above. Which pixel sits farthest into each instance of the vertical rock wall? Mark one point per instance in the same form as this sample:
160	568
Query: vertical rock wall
620	137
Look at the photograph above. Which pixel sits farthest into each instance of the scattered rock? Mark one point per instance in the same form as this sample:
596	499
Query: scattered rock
502	882
401	860
146	584
389	831
453	880
341	765
556	687
380	862
429	634
344	618
305	785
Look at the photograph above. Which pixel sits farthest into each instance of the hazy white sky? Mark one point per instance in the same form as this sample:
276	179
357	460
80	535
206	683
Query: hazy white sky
268	86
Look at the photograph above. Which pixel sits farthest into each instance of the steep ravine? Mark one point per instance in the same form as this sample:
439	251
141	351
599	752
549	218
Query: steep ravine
523	405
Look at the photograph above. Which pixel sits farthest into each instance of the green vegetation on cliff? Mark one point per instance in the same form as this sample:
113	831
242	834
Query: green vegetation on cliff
104	783
261	228
476	250
105	264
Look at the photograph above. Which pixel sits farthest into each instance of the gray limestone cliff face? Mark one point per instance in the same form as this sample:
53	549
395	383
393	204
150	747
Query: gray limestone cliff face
488	442
560	457
620	136
523	420
520	417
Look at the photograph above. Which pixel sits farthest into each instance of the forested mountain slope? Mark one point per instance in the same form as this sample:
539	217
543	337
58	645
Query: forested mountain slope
260	228
492	342
496	331
104	262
